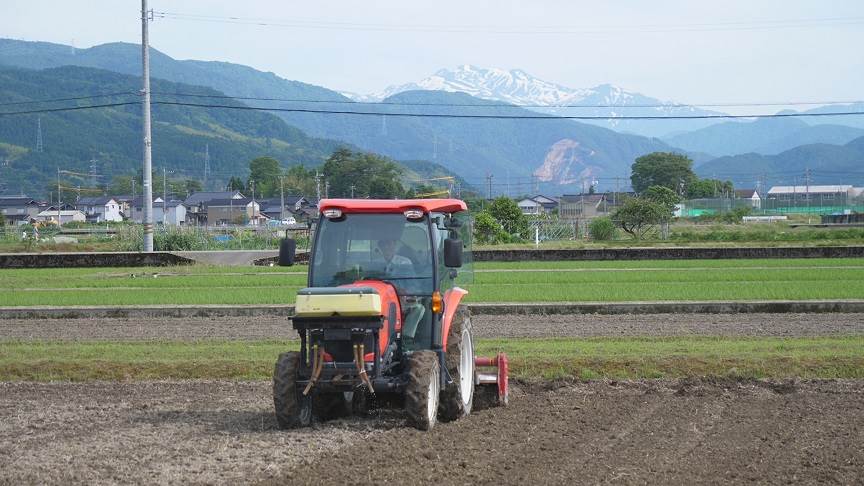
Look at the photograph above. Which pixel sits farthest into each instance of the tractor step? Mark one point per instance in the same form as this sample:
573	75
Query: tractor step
499	378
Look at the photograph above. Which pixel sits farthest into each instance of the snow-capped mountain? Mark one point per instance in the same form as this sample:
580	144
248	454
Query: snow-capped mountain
520	88
514	86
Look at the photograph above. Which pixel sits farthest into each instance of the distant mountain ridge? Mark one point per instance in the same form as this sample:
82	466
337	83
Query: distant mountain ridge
767	136
826	163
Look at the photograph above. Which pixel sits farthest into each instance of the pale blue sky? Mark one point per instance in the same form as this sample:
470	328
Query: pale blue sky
687	51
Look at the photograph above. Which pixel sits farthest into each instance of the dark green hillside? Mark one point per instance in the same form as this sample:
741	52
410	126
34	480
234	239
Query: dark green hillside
112	136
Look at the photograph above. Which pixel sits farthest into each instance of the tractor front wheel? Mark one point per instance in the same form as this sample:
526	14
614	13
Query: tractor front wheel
423	390
457	398
293	409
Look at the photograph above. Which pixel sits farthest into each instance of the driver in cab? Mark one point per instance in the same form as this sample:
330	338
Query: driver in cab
393	265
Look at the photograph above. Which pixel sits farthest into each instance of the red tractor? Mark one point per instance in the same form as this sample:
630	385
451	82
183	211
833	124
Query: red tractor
383	315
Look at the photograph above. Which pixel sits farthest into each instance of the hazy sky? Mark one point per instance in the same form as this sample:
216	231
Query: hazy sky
687	51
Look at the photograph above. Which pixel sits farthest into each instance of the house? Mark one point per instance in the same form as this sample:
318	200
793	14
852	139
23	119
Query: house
136	209
101	209
174	211
537	205
582	206
196	204
233	211
750	194
19	209
169	213
65	215
294	205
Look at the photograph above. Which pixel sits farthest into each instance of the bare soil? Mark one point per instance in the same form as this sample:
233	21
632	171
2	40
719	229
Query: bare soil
485	326
660	432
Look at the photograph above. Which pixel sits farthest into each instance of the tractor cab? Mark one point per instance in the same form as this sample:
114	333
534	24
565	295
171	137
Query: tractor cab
383	312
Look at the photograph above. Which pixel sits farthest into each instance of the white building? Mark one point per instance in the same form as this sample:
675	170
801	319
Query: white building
100	209
537	205
174	213
66	216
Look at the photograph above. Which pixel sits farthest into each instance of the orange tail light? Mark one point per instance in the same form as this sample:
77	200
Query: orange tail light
437	302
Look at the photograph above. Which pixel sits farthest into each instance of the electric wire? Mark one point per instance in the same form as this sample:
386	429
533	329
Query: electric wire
441	115
767	24
511	105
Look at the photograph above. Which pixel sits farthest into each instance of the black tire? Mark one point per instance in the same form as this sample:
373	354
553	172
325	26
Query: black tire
292	408
453	404
423	390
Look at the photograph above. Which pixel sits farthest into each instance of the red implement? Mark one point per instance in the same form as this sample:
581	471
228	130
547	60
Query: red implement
499	378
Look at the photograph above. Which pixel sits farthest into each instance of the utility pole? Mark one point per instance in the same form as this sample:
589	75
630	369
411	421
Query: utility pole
615	194
252	184
326	189
352	191
807	195
317	185
282	198
148	156
58	197
164	195
582	201
489	184
132	205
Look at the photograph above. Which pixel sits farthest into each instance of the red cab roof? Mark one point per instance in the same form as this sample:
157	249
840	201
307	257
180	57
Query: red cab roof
393	205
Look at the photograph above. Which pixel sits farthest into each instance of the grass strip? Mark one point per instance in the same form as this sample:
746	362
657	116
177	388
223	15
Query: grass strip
660	281
619	358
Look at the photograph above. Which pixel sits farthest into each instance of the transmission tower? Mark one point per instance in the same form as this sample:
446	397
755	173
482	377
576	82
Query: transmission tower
206	163
39	146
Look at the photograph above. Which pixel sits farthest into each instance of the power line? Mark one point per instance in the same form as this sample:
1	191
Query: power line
69	108
510	105
501	29
443	115
509	117
75	98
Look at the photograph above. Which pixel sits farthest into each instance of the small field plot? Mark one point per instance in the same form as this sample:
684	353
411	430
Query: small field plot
570	281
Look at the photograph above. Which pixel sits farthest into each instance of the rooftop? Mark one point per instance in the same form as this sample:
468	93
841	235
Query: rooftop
809	189
393	205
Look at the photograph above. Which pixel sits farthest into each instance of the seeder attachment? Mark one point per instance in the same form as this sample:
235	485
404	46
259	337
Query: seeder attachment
497	378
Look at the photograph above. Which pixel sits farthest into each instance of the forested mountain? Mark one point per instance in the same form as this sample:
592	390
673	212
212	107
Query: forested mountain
764	136
107	141
828	164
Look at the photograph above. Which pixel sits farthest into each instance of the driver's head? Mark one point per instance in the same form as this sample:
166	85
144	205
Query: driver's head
387	247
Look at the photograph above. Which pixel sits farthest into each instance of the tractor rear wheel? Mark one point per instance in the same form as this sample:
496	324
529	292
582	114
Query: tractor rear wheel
293	409
423	390
457	398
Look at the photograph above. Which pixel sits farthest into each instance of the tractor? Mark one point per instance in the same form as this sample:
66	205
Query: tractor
382	316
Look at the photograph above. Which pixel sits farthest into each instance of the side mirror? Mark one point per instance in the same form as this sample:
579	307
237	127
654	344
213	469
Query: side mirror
452	253
287	249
